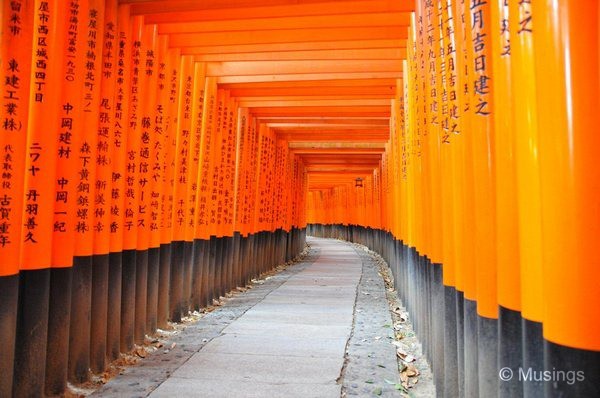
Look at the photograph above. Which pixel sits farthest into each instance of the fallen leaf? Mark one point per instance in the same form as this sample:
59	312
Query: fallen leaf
401	346
411	370
140	353
408	358
403	377
369	382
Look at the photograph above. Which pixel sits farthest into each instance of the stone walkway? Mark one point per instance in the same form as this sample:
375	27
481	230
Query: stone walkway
298	334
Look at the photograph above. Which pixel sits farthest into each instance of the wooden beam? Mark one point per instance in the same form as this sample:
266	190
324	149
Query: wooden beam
310	99
340	83
348	170
341	128
288	22
251	68
161	11
338	151
361	111
328	159
328	137
287	36
315	103
324	121
308	55
308	76
288	92
219	48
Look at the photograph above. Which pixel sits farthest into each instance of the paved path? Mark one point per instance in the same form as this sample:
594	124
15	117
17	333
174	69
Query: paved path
292	343
288	337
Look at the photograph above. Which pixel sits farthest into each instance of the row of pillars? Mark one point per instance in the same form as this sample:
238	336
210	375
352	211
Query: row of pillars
472	355
72	322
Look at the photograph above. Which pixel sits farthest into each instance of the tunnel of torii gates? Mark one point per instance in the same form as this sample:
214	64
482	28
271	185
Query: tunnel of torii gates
157	154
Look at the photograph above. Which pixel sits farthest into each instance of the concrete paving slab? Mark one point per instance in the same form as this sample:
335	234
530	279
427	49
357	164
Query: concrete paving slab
322	304
311	297
278	345
302	319
275	369
326	308
286	289
321	282
291	330
175	387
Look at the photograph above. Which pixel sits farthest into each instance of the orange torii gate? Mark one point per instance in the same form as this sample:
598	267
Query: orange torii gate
158	153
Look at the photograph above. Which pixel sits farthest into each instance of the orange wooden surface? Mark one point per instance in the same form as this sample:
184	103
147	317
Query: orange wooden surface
160	143
145	135
73	69
42	131
15	75
106	136
507	233
168	200
450	130
120	116
567	37
195	149
180	211
193	119
527	160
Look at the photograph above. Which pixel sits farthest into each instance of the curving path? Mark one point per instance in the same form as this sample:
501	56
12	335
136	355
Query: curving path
287	337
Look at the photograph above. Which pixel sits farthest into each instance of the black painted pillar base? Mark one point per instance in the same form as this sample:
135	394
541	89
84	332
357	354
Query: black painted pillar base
198	256
141	295
128	279
32	333
487	356
219	263
188	265
533	356
460	341
249	263
79	334
237	268
176	289
575	372
253	269
471	354
152	290
510	352
203	297
227	264
9	297
99	312
243	260
212	269
113	318
164	283
438	326
59	319
450	348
